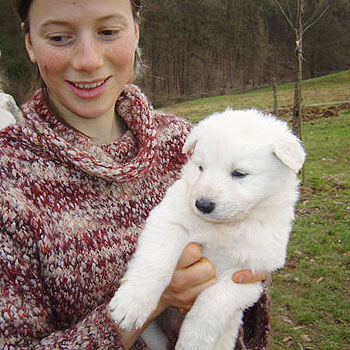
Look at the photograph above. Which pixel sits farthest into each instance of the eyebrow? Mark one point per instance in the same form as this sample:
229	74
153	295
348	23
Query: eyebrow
64	23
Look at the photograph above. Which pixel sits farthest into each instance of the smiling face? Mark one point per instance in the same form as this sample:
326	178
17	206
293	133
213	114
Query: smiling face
85	51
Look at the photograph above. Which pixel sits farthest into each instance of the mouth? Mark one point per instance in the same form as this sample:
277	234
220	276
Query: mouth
88	89
88	85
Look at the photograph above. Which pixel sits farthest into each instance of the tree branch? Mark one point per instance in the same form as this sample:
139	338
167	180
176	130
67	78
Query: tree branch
298	12
317	19
290	11
284	14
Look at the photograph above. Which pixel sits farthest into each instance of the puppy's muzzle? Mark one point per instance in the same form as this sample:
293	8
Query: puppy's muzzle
205	206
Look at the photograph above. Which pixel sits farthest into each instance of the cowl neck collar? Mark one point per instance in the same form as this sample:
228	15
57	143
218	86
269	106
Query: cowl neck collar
48	135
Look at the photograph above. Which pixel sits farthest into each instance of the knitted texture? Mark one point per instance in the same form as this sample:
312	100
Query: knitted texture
70	216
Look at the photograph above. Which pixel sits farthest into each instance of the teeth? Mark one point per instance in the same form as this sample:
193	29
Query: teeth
88	86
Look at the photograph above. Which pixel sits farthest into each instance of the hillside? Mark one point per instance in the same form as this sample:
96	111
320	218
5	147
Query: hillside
332	89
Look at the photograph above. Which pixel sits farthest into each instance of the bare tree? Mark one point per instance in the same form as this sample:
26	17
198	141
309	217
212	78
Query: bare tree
299	27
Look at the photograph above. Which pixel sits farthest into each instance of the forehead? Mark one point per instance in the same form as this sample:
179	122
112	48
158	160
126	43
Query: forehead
67	10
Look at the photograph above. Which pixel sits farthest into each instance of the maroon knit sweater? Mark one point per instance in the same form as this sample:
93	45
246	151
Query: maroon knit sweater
70	216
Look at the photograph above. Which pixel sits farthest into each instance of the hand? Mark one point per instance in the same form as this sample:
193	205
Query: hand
192	275
247	276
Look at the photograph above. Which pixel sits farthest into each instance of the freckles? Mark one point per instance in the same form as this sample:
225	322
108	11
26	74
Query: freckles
47	72
50	63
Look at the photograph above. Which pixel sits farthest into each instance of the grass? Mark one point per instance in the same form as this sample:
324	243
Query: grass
330	88
311	295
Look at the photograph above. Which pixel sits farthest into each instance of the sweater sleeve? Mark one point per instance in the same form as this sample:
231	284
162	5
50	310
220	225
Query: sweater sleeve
27	320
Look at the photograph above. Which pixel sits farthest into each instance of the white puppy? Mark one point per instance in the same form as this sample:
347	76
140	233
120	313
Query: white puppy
236	198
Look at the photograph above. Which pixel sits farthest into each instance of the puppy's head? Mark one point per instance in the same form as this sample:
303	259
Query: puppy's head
240	160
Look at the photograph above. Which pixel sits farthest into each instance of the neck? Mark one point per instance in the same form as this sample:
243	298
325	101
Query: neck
103	129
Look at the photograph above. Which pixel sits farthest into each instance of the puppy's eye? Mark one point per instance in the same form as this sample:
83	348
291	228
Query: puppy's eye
239	174
200	168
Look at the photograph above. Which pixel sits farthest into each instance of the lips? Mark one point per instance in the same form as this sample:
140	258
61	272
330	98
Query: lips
88	90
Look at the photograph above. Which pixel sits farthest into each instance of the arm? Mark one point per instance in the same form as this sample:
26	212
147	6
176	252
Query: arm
26	317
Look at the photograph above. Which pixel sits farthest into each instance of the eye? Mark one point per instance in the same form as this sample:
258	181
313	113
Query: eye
238	174
200	168
59	39
109	33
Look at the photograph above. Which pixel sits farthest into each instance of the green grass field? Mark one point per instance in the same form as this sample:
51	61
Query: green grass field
330	88
311	295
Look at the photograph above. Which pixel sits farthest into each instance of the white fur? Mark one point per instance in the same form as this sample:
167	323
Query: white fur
248	228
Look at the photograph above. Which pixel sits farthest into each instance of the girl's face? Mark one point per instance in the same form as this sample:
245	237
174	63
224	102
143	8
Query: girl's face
85	52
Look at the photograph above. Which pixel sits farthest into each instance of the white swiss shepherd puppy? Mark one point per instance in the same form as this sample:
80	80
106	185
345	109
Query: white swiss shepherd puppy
236	198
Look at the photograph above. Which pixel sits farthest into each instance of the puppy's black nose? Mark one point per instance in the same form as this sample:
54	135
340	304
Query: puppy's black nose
205	206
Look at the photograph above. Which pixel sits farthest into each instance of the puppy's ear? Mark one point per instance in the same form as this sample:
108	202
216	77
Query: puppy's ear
192	139
197	132
290	152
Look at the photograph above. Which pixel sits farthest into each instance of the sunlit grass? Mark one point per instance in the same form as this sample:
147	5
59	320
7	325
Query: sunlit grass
331	88
311	295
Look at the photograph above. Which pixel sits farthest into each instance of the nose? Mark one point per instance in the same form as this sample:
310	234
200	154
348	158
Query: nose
205	206
88	56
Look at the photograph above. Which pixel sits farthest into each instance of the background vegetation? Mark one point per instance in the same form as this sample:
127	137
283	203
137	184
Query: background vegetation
210	47
199	48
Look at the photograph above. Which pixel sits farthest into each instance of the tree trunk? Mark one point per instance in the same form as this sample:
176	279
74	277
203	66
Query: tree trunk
275	96
297	111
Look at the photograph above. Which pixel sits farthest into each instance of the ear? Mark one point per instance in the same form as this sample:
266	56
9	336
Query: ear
191	140
29	47
194	136
196	133
290	152
137	34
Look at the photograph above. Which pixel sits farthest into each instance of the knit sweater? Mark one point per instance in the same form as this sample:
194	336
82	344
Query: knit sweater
70	216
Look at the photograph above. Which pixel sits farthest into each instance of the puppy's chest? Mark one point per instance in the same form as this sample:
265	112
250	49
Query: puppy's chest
224	257
226	247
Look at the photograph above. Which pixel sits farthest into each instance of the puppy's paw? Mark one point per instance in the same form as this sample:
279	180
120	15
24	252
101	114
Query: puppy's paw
191	345
193	337
130	309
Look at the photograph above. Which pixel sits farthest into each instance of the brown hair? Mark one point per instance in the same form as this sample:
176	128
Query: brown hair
22	8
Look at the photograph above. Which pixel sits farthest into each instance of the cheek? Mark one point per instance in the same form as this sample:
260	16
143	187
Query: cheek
50	64
122	56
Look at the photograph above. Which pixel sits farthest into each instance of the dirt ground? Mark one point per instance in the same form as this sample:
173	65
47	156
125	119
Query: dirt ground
315	112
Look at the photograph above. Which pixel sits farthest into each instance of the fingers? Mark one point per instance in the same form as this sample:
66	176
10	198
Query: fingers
188	284
247	276
187	299
190	255
193	274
